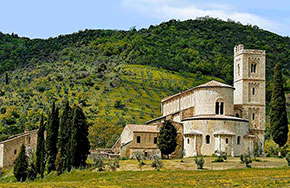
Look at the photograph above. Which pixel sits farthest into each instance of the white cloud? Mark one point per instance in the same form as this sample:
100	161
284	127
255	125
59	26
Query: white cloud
184	9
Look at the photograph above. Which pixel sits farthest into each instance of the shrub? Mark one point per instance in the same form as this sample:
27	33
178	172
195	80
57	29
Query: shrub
224	155
199	161
219	159
21	165
157	163
246	159
31	172
181	154
114	164
287	157
99	163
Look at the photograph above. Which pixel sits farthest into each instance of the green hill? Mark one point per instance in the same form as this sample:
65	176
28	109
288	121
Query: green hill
120	76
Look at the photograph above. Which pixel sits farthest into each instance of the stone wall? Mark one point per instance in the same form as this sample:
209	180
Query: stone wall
9	149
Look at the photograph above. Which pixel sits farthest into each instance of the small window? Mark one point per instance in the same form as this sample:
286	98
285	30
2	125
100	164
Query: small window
15	151
227	140
155	140
222	108
188	141
253	68
207	139
253	91
217	104
237	115
239	69
238	140
138	139
253	116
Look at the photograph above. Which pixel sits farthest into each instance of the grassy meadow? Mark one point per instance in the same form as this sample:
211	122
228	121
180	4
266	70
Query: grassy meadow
267	172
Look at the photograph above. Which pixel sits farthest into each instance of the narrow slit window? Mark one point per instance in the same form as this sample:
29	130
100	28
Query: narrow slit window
217	107
253	116
238	140
222	108
207	139
253	91
138	139
227	140
155	140
188	141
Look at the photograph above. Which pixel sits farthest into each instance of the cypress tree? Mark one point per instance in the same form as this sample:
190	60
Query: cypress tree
80	145
21	165
40	149
51	139
278	114
6	78
64	139
167	140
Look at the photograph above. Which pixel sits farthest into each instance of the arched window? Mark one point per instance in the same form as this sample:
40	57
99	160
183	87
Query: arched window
227	140
238	140
15	151
253	67
138	139
207	138
219	108
237	115
188	141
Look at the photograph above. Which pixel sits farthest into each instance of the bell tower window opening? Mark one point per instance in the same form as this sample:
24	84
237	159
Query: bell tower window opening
238	140
253	91
253	67
138	139
253	116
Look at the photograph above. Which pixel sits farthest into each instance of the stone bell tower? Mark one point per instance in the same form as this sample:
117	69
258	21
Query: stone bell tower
250	84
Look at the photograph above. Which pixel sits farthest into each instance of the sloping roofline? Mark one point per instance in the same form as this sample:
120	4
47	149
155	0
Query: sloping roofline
209	84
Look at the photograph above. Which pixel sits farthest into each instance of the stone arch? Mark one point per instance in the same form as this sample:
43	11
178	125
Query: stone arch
219	106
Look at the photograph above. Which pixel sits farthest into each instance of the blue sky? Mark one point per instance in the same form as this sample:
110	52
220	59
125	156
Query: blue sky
44	19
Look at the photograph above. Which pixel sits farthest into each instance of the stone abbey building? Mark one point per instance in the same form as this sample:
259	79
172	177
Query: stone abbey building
210	118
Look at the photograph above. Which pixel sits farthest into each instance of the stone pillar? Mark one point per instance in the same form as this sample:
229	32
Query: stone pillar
194	142
219	145
233	142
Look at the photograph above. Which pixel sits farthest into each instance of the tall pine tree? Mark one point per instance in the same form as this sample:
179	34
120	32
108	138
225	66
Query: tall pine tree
51	138
40	149
167	140
80	145
278	114
21	165
64	161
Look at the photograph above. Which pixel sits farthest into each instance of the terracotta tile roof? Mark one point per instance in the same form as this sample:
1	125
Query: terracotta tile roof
143	128
212	83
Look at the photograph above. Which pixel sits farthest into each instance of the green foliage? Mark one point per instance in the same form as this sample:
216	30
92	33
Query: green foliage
218	159
31	172
51	138
113	164
157	163
278	114
40	149
21	165
199	161
80	145
287	157
167	140
99	163
258	150
64	138
246	159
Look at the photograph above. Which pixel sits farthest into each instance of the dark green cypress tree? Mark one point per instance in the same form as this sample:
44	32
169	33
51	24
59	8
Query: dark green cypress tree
167	140
278	114
51	139
21	165
6	78
80	145
40	149
64	139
